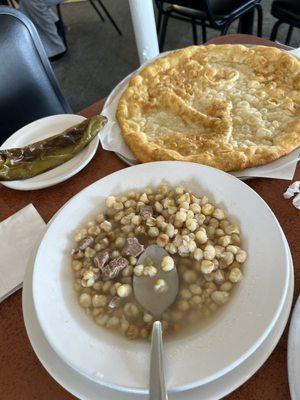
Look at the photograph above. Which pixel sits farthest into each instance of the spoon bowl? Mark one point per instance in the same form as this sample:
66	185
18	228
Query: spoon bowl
143	286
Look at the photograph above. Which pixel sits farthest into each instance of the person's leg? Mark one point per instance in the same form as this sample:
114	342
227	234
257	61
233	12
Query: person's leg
44	20
52	3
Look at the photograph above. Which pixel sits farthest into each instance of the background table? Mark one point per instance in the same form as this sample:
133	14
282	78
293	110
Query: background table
22	377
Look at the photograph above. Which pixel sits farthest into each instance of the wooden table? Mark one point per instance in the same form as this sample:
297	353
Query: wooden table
22	377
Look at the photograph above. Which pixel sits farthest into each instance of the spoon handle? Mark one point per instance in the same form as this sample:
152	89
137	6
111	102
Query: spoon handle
157	385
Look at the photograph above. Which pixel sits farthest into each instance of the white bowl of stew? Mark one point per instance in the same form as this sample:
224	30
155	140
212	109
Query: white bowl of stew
195	356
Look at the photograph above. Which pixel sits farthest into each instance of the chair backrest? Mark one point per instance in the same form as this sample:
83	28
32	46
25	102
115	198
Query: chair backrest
221	7
213	8
28	87
195	4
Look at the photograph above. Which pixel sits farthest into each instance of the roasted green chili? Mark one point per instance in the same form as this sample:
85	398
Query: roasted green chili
38	157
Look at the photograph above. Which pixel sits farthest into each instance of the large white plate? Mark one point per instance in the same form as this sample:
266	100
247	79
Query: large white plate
232	337
85	389
42	129
294	353
112	140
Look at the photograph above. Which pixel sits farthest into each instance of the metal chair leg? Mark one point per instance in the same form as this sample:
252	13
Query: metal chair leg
225	28
289	35
275	30
60	25
204	39
259	19
58	10
96	9
194	28
109	17
158	23
163	31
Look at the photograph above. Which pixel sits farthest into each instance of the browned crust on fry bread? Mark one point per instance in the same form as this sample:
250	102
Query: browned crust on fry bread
227	106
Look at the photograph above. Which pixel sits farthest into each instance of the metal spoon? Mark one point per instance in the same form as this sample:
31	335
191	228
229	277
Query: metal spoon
156	304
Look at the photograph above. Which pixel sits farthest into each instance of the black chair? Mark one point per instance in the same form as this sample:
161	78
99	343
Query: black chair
28	87
106	12
217	14
96	6
288	12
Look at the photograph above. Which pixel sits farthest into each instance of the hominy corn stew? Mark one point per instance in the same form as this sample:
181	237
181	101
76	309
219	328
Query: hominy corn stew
201	241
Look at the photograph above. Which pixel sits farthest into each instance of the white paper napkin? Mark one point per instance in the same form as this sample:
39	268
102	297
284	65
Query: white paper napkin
112	140
18	235
295	52
293	190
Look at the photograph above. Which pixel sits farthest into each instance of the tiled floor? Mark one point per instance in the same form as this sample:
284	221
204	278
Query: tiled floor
98	58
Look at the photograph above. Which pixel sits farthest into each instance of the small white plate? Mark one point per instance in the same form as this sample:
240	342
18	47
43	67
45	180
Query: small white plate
225	343
294	353
41	129
85	389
